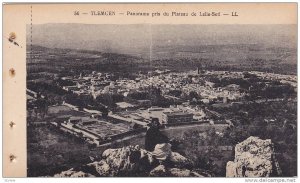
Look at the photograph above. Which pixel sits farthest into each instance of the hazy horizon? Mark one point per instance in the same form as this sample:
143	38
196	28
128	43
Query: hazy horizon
168	41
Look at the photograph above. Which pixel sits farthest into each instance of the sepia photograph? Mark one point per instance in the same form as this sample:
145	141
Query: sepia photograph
150	92
161	100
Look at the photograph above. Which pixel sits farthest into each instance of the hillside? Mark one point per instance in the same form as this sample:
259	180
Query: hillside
212	57
57	60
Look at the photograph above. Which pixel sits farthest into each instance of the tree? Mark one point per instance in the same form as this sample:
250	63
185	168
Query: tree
42	107
104	111
175	93
193	95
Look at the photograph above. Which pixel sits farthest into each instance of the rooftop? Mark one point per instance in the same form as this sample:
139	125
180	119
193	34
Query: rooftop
176	113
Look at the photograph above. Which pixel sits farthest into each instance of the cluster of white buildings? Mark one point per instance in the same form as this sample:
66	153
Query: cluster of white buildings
96	84
93	84
284	79
186	83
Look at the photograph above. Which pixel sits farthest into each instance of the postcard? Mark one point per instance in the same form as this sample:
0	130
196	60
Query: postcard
150	90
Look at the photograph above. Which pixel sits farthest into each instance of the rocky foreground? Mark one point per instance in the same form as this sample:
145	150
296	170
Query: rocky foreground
254	157
133	161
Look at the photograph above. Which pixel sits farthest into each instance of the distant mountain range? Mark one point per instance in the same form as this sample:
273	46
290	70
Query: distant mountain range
139	39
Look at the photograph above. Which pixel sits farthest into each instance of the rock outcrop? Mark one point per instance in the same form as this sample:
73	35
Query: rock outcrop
254	157
72	173
163	171
133	161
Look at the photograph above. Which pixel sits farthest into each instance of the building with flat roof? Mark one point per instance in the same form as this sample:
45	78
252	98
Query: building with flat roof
176	117
74	120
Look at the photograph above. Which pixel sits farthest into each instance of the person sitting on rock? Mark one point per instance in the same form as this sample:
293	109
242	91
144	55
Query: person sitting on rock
154	136
158	144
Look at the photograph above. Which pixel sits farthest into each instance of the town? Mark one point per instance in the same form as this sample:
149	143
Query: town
101	107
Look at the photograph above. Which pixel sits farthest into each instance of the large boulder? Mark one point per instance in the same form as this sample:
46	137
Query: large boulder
101	167
253	158
159	171
179	161
126	161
